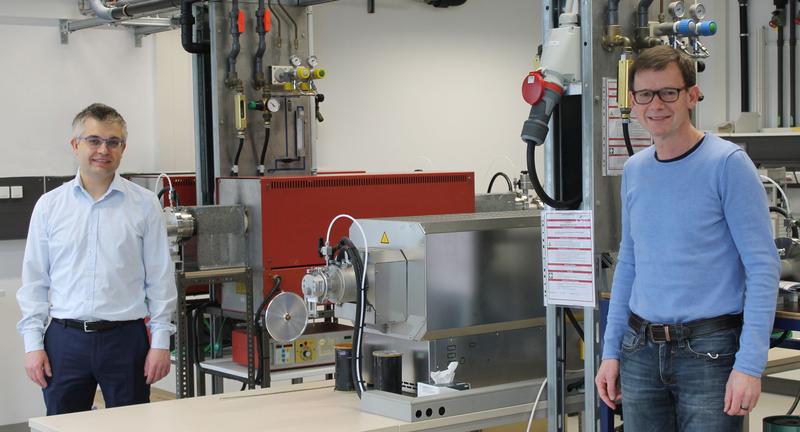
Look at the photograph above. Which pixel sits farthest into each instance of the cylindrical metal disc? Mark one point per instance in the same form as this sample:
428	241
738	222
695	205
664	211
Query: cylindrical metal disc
286	317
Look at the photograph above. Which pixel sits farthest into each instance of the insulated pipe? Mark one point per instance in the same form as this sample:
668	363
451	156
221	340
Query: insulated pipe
744	61
187	22
792	62
642	11
258	58
234	17
130	10
613	12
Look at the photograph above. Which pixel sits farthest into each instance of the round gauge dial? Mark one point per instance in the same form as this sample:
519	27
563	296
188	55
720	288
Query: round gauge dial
312	61
273	105
698	11
677	9
295	61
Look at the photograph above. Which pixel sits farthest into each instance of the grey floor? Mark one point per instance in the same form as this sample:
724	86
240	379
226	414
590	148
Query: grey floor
19	427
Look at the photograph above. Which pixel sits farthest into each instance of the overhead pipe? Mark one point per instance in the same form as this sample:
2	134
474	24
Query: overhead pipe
131	9
744	61
187	24
235	45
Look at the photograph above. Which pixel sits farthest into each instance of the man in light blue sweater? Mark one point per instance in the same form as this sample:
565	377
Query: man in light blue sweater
694	290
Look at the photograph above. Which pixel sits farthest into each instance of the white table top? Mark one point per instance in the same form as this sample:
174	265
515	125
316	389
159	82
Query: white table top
307	406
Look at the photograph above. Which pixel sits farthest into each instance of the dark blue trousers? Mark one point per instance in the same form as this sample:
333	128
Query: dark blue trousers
80	361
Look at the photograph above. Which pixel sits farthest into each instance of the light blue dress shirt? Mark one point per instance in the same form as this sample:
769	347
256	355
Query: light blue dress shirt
97	260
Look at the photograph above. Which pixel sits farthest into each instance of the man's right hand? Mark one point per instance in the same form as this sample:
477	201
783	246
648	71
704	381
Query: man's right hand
607	381
37	365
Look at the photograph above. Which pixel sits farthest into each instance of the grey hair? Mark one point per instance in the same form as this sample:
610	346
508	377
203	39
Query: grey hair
101	113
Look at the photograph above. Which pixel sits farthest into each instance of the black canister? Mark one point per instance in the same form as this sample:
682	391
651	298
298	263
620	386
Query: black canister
344	364
387	371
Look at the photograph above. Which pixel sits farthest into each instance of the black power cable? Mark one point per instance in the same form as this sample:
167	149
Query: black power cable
537	186
495	176
347	247
627	135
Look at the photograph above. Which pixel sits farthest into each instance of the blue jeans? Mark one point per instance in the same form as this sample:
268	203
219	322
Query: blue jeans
677	386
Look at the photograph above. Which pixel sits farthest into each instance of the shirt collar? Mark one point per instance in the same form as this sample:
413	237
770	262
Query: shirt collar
116	185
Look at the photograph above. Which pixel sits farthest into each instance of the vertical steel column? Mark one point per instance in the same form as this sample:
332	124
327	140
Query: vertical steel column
184	376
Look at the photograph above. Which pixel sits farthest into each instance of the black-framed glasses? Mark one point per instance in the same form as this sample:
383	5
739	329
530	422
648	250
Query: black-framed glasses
666	94
95	142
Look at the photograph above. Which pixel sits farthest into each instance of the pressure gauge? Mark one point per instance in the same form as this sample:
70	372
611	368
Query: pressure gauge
273	105
676	9
295	61
698	11
312	61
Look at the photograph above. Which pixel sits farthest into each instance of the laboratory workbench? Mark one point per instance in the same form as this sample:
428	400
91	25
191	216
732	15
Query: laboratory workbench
290	407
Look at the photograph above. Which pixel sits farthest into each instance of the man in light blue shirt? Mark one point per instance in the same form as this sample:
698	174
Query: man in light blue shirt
693	298
96	264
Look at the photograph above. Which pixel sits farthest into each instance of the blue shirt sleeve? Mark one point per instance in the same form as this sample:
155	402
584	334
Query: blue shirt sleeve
32	296
624	276
159	285
746	211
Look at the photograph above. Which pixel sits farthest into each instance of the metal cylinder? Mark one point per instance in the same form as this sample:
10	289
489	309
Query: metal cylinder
344	371
781	424
387	371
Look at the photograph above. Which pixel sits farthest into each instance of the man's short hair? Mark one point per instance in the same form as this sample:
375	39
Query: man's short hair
101	113
658	58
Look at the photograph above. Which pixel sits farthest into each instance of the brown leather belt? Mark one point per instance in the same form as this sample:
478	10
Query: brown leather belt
679	332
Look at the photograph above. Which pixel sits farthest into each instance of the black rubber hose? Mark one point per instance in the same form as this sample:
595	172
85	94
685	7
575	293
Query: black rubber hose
495	176
642	12
235	46
258	57
263	157
235	166
187	23
537	186
166	189
744	54
627	135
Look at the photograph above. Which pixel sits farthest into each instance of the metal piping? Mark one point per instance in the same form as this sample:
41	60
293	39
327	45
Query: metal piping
744	61
130	10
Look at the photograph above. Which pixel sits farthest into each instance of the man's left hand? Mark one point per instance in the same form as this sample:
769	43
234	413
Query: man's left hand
741	393
156	365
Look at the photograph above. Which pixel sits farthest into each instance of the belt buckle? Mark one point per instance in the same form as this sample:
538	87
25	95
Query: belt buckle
665	327
86	328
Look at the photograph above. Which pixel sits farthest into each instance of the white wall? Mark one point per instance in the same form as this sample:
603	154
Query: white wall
44	84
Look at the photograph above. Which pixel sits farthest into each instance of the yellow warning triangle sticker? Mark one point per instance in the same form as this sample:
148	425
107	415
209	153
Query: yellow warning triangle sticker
384	238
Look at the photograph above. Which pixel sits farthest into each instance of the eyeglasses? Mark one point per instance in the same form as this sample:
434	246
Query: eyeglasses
95	142
666	94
